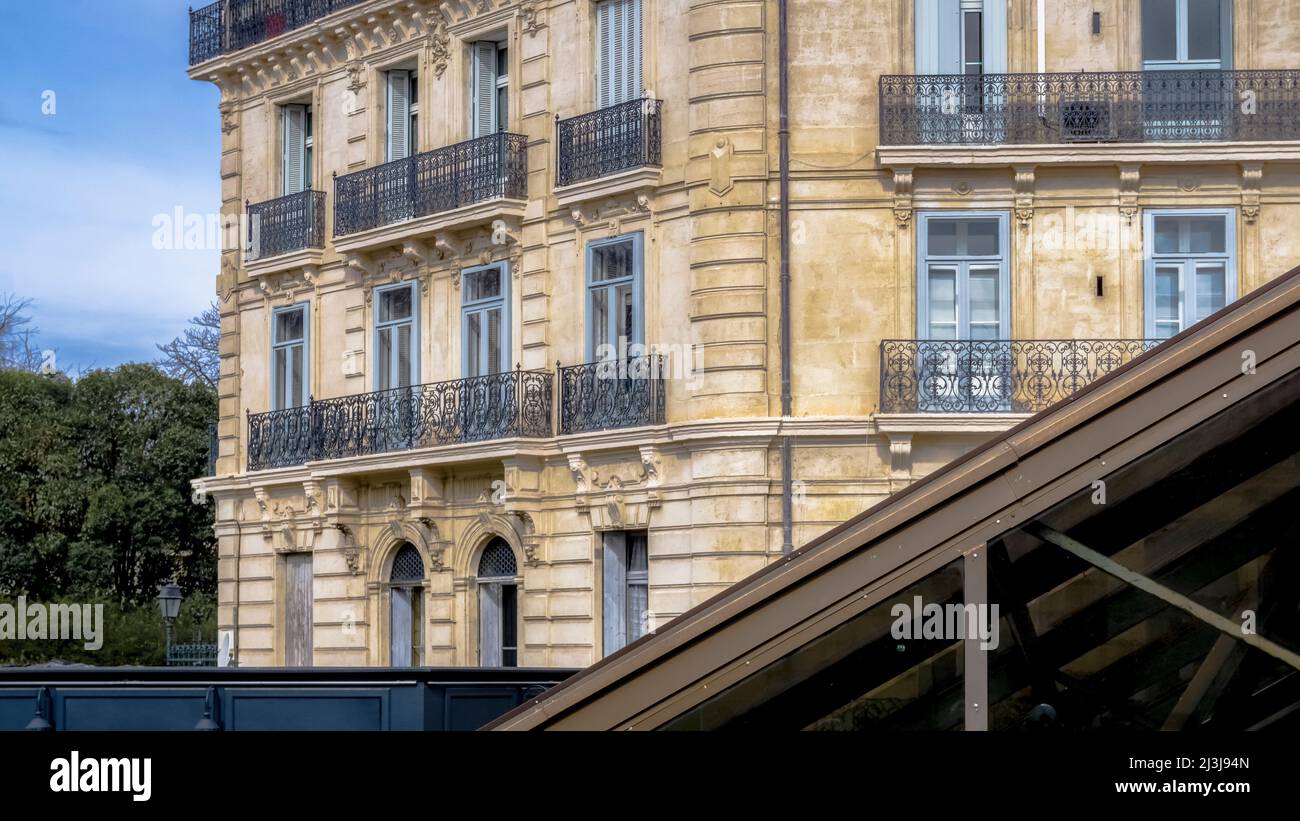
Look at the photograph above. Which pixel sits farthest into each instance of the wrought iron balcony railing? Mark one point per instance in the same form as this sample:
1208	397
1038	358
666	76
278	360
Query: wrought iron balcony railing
230	25
994	376
612	394
504	405
473	171
289	223
604	142
1089	107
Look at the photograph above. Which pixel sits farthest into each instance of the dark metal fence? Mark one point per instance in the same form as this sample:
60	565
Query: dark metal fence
505	405
472	171
230	25
289	223
192	655
1006	376
1117	106
613	139
612	394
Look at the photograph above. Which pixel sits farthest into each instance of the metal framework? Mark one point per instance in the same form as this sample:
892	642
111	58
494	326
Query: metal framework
230	25
994	376
431	182
289	223
1115	106
604	142
498	406
612	394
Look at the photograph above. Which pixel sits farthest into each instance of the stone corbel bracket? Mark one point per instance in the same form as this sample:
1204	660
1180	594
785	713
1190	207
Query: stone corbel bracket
903	197
526	528
1130	181
1023	186
1252	177
352	552
263	505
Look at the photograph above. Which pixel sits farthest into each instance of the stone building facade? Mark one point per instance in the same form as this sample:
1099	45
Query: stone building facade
446	209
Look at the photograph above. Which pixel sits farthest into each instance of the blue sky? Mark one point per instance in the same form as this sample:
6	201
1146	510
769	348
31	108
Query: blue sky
131	137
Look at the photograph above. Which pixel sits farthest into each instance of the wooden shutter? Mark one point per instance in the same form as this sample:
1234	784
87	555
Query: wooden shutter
399	115
294	136
614	580
483	116
995	36
297	610
489	625
618	52
938	36
399	640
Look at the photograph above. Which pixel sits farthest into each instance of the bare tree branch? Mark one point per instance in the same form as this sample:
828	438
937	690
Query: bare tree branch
18	349
193	356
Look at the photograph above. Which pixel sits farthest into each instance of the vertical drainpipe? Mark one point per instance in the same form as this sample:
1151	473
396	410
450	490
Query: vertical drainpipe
783	137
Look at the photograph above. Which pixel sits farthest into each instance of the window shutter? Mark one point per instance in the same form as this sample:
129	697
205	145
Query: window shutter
614	578
604	53
489	625
938	32
404	360
995	36
485	89
298	610
399	115
618	52
399	640
294	148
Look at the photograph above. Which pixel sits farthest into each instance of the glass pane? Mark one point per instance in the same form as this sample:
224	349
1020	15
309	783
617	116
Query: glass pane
474	343
982	238
623	298
943	303
503	108
1166	235
296	399
288	325
972	47
395	304
1207	235
280	376
483	284
1211	290
600	323
984	296
941	237
404	355
1159	30
1166	306
494	340
612	261
1204	32
384	359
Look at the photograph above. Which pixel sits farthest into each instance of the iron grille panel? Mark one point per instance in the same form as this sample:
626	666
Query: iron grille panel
407	565
994	376
612	394
1128	106
498	406
613	139
289	223
431	182
498	560
230	25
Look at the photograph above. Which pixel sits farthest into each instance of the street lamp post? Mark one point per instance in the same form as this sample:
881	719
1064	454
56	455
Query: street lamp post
169	604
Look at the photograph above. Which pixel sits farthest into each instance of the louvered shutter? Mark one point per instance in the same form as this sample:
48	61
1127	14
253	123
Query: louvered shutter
294	148
483	116
399	115
618	52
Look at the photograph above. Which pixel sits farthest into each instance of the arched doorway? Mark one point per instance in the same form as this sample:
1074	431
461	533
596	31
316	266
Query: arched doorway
405	608
498	606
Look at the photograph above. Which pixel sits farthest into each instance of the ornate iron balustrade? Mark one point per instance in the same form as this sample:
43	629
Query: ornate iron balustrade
604	142
503	405
994	376
230	25
612	394
1119	106
440	180
289	223
192	655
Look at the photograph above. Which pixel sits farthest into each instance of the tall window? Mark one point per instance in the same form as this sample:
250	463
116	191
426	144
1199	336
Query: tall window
966	37
1190	267
490	111
485	340
403	112
289	361
298	610
406	619
397	338
963	291
614	296
626	583
498	606
1186	34
296	148
618	52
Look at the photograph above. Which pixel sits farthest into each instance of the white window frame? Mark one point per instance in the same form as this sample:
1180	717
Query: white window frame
1189	261
1181	61
278	345
637	280
413	321
481	306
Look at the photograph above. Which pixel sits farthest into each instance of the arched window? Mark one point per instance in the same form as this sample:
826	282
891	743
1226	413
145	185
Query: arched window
406	595
498	610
